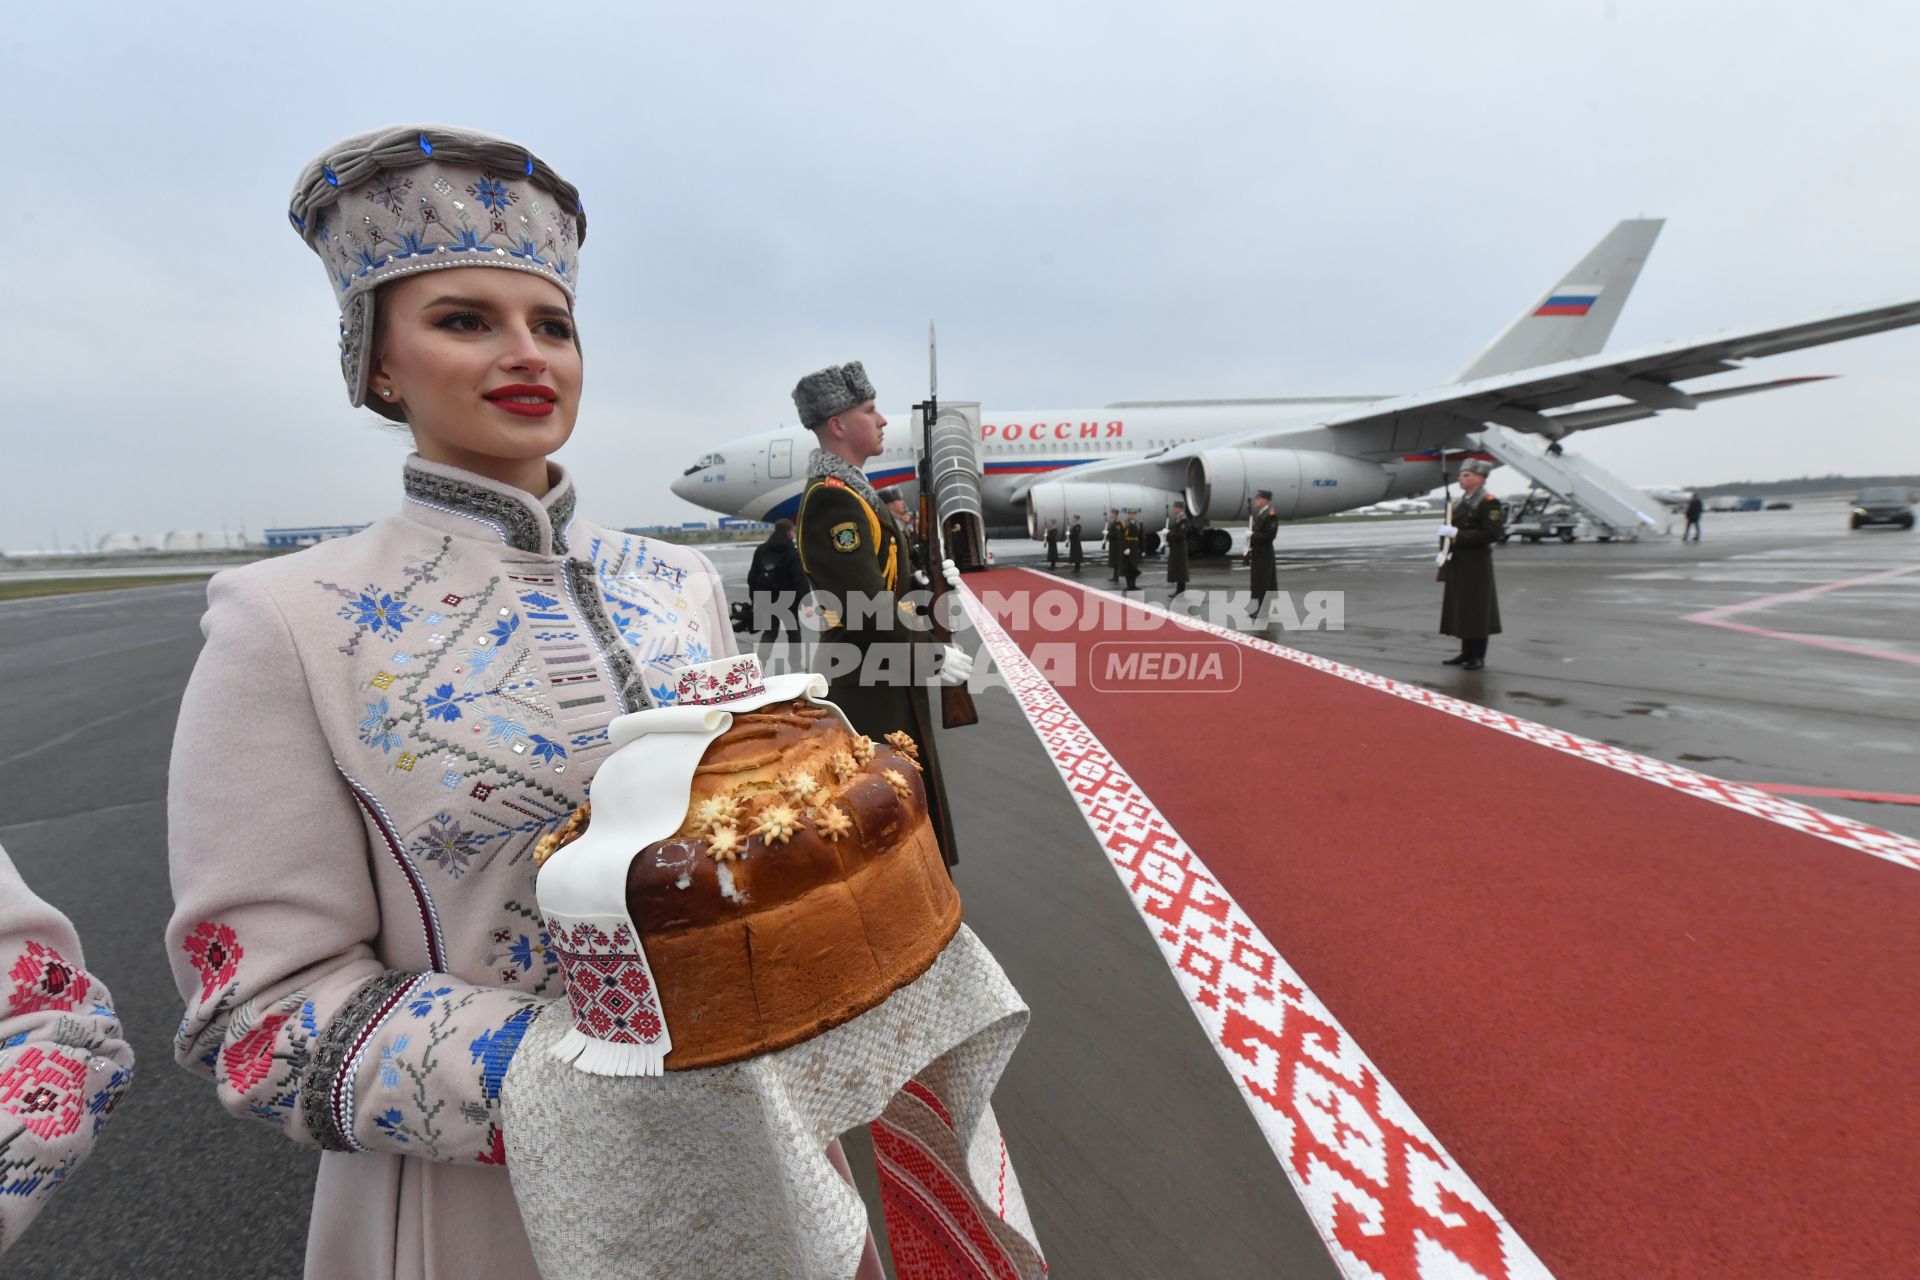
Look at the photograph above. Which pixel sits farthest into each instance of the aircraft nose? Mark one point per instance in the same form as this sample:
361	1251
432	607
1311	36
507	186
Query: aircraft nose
685	487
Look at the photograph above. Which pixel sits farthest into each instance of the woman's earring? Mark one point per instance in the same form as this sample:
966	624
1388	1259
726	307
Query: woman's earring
387	392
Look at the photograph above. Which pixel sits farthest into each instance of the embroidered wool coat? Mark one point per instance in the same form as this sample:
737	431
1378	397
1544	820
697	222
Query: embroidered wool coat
63	1061
377	732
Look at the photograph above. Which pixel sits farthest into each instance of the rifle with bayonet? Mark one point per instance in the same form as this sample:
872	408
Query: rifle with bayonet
956	704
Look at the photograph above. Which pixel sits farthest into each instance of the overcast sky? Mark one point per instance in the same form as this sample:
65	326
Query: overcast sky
1098	202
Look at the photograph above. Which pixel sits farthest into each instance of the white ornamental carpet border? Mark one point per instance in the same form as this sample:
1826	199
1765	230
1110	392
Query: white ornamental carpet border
1385	1197
1890	845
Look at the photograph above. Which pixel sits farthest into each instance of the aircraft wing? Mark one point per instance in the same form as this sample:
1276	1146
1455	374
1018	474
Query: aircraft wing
1525	401
1141	469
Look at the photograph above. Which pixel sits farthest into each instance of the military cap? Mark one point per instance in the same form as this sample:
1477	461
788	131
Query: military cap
835	389
1479	466
1264	493
412	198
890	495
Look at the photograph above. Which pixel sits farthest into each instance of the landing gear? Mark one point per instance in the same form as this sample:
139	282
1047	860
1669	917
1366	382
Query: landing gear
1214	542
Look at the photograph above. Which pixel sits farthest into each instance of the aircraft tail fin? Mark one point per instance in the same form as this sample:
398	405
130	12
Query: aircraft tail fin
1574	318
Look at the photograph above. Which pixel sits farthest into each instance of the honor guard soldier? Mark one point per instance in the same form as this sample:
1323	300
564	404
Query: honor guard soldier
1076	555
1132	536
1116	534
1177	529
853	551
1262	529
1470	607
1053	544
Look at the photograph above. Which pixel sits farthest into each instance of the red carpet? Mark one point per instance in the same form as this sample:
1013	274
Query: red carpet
1665	1037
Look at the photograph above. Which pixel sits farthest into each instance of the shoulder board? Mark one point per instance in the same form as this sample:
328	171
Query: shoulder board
835	481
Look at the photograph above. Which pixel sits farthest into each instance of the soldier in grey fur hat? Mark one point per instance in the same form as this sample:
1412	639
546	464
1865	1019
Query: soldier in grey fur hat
853	550
1470	607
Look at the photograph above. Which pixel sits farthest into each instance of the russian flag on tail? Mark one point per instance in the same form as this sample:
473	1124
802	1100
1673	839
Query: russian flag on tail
1570	300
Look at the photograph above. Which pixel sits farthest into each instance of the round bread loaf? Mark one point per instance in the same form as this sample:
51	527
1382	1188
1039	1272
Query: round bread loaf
803	887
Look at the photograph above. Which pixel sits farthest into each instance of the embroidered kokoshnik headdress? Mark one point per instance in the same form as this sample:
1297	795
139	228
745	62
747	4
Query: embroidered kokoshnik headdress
413	198
639	796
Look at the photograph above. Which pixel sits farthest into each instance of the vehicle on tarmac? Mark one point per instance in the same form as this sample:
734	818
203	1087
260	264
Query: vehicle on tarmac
1887	504
1779	506
1540	515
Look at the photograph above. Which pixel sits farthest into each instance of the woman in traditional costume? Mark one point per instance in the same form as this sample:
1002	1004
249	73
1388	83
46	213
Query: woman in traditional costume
382	728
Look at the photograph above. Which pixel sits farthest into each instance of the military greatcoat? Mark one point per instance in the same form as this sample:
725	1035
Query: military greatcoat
1177	530
1074	552
1470	609
851	547
1264	526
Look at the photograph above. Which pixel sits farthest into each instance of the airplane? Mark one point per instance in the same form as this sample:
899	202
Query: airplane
1544	376
1671	494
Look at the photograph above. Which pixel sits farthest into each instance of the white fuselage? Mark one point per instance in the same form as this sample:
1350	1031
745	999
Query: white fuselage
760	477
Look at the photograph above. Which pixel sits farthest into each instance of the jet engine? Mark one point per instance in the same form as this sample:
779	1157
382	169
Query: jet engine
1062	500
1304	482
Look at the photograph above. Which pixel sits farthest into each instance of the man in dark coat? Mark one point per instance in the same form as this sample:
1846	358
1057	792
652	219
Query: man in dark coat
1695	508
1262	529
1470	607
776	581
1116	534
896	505
1075	554
853	552
1053	544
1132	538
1177	529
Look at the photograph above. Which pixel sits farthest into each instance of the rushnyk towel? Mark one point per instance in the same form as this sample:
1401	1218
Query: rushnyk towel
617	1026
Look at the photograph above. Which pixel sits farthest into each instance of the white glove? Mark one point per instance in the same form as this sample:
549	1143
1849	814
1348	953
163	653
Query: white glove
956	664
951	573
1448	531
920	578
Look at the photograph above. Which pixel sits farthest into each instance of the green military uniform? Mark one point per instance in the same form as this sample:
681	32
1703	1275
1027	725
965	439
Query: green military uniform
1177	530
1264	526
1116	534
1075	553
1053	546
1470	608
850	544
1132	536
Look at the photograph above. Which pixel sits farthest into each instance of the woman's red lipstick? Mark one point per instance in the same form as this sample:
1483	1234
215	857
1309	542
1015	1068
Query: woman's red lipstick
529	400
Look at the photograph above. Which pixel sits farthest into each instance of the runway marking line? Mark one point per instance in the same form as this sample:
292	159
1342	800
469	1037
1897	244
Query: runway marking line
1743	797
1718	617
1386	1198
1836	793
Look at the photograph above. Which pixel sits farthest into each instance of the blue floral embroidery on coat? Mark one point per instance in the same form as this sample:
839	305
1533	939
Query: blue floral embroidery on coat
444	704
375	730
381	612
521	952
389	1062
493	1050
392	1123
422	1003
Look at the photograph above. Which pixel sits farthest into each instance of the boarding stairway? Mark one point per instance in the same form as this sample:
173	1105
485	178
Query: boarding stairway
959	492
1617	508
